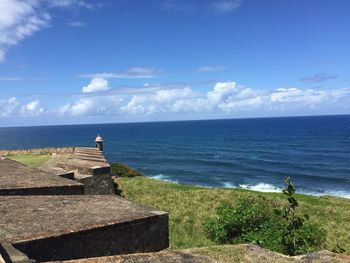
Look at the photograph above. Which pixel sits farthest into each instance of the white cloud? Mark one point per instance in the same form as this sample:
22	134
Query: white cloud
163	96
70	3
225	6
91	106
318	78
96	85
225	99
221	91
32	109
77	24
160	101
131	73
294	95
2	54
206	69
197	7
8	107
10	79
20	19
13	108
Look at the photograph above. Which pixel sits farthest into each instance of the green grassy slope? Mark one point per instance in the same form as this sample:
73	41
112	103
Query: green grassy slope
188	206
34	160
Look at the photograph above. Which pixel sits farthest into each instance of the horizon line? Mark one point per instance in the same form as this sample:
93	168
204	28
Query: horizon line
180	120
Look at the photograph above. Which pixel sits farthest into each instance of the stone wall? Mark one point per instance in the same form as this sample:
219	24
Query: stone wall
146	235
54	190
58	150
98	184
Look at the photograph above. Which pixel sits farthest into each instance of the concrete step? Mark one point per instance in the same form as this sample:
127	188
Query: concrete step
86	149
71	227
89	154
89	151
89	158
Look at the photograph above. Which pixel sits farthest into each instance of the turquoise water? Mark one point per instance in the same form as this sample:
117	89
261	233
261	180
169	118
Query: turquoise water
244	153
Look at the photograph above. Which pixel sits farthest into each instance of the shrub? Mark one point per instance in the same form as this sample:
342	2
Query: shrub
231	222
122	170
264	222
299	235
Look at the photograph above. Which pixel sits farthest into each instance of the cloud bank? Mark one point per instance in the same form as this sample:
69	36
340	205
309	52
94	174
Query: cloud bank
225	99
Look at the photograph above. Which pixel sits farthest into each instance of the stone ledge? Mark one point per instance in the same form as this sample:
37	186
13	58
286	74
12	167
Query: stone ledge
159	257
70	227
19	179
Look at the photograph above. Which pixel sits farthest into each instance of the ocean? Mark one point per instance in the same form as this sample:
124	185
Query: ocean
252	154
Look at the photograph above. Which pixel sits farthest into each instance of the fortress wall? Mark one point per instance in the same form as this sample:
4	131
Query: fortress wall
59	150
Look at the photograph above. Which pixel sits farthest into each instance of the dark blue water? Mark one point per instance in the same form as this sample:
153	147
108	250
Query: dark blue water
248	153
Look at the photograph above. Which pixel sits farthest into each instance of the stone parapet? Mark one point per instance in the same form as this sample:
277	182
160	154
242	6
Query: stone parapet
59	150
72	227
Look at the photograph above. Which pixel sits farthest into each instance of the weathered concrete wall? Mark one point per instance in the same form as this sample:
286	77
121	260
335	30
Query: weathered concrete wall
91	169
54	190
146	235
62	227
61	150
98	184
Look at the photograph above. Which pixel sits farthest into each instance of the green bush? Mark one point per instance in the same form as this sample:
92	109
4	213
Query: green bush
305	239
233	221
266	223
122	170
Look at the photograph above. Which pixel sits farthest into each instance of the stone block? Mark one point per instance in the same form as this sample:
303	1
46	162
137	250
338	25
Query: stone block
47	228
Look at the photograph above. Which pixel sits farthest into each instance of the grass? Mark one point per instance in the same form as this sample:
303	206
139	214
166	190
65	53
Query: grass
34	160
188	206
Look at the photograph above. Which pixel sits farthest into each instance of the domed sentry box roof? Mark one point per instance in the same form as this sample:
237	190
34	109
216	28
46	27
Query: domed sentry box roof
98	139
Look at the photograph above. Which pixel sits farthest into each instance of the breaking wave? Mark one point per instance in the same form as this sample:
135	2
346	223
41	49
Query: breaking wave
261	187
229	185
165	178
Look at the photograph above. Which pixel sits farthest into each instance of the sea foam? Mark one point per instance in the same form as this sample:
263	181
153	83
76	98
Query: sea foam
163	177
261	187
229	185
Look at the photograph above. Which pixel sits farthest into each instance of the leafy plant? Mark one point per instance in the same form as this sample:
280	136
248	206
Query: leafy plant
122	170
233	221
267	223
299	235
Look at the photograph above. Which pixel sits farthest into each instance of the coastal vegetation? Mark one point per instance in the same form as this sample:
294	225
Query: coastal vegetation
34	160
122	170
189	207
264	222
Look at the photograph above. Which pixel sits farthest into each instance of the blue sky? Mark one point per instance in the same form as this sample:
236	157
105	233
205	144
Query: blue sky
80	61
